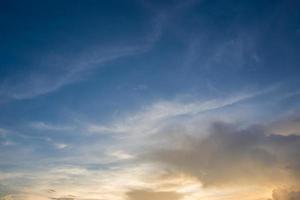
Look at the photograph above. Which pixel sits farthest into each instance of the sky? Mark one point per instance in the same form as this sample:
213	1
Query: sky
149	100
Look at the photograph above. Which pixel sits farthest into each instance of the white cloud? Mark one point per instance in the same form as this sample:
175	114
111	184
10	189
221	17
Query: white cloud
120	154
61	145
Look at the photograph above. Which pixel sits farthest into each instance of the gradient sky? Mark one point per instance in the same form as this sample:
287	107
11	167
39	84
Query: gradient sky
149	100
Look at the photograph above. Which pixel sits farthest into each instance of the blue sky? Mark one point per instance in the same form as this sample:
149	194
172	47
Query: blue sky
93	93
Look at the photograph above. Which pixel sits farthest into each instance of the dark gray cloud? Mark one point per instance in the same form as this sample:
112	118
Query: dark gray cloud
231	155
151	195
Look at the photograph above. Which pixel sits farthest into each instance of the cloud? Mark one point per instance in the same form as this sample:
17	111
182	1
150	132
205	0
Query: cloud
92	182
233	156
23	197
153	118
150	195
9	175
228	155
61	145
64	198
286	195
57	71
120	155
288	125
55	76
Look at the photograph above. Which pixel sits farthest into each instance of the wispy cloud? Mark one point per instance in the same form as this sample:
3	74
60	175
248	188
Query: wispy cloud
38	83
153	117
60	72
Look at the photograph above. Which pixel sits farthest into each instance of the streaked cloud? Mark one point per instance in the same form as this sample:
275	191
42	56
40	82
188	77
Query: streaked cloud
153	117
37	83
69	70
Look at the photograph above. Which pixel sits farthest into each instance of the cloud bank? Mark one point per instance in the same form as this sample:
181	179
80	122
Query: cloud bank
233	156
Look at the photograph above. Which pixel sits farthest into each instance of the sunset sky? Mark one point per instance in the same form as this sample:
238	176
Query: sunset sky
149	100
